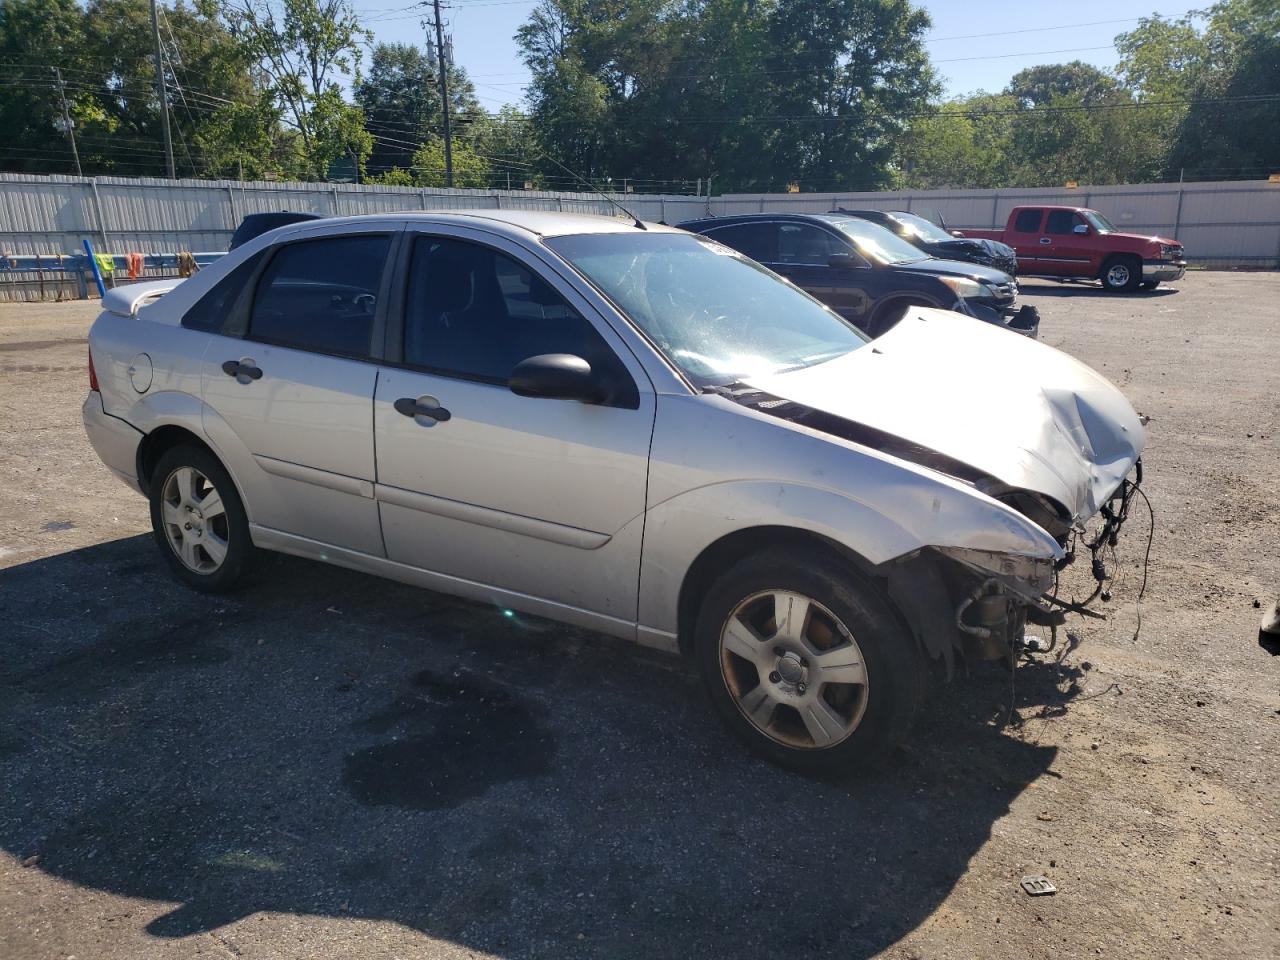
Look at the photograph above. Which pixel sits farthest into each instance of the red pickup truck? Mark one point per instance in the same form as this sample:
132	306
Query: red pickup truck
1078	243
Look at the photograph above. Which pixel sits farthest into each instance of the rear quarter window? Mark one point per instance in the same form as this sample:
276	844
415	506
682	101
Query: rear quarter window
212	312
1028	221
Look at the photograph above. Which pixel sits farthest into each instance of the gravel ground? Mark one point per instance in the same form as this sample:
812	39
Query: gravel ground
329	764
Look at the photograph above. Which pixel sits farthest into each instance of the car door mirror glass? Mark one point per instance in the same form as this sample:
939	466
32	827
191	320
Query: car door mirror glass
1081	228
557	376
842	261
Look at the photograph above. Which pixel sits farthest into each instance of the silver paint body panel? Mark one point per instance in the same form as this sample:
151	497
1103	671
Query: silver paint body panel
594	515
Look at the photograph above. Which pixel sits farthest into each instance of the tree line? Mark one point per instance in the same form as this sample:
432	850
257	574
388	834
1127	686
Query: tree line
744	95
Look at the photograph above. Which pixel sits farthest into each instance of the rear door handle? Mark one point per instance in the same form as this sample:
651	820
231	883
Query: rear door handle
243	370
422	407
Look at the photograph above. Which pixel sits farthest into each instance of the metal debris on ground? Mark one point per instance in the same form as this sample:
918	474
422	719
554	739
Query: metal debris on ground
1039	886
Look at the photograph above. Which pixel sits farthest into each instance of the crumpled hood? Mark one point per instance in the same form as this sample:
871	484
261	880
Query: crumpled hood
1025	413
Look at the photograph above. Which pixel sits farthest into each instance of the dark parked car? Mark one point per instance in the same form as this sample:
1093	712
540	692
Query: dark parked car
256	224
936	242
866	273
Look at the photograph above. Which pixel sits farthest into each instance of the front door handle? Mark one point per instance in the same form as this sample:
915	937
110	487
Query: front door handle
243	370
419	407
1045	240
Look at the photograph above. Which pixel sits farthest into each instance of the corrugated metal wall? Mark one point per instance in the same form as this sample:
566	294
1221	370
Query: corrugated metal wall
1222	224
1225	224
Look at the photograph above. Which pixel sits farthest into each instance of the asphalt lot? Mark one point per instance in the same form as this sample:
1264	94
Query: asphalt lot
325	764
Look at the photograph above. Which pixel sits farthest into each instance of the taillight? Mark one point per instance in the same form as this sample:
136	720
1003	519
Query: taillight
93	375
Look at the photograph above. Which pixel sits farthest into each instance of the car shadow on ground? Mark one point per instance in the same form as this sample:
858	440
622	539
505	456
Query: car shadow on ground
1047	288
326	743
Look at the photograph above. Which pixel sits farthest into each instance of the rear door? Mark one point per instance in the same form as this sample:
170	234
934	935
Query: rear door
529	501
1025	236
289	388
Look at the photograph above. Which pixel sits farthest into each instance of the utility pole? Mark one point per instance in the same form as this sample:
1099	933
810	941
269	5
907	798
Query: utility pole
66	119
162	91
444	96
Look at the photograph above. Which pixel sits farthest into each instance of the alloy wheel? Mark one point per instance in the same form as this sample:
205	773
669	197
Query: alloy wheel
1118	275
793	669
195	520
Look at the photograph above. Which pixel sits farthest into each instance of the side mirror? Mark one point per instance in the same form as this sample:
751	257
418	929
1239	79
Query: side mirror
1080	228
956	233
557	376
842	261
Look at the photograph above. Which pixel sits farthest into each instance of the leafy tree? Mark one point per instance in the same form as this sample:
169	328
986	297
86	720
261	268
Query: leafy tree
401	103
469	169
303	47
36	35
967	143
1037	86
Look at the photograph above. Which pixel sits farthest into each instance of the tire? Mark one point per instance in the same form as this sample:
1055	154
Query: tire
1121	274
890	315
1150	284
205	542
874	675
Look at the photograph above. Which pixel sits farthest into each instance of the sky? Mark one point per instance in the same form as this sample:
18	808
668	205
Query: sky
975	44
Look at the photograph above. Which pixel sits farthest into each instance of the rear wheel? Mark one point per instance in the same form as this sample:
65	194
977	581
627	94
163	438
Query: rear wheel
198	520
1122	274
805	661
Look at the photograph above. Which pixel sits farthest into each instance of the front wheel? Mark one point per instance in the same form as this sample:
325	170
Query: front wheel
1121	274
805	661
198	520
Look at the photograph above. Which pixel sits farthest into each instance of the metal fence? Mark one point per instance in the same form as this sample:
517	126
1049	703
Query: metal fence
1221	224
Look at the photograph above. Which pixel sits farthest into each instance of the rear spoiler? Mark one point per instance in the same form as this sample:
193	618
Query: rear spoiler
127	300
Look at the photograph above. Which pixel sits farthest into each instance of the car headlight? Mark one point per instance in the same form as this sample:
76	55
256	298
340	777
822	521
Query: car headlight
967	289
1030	576
1168	253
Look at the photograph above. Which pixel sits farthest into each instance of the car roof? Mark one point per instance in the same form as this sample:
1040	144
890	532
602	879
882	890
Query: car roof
763	218
542	223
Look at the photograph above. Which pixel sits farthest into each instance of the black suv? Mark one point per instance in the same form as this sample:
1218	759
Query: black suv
936	242
866	273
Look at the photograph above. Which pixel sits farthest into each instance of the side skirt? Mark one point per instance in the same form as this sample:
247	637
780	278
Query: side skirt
269	539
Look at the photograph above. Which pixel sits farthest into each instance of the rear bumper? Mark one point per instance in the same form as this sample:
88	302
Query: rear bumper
114	441
1163	269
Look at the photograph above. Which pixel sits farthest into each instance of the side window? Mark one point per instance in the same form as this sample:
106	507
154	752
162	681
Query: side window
757	240
211	312
320	295
1028	220
803	243
1061	221
474	313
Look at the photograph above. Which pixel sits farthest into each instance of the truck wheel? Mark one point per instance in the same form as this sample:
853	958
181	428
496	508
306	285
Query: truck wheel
1122	274
198	520
805	661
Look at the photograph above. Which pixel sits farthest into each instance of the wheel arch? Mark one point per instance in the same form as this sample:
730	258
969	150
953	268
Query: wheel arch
160	441
719	554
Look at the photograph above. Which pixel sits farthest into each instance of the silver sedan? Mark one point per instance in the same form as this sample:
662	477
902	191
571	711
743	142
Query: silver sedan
625	427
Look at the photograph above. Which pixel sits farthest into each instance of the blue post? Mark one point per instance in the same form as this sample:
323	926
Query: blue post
97	274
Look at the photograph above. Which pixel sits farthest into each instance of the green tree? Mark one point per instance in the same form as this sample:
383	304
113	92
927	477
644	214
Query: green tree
1037	86
36	36
967	143
469	169
401	103
304	47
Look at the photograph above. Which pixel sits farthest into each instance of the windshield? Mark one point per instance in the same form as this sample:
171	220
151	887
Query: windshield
876	242
922	228
1100	223
717	316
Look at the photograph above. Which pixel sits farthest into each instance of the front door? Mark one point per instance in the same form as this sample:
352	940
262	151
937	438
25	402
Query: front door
804	253
1070	253
290	401
519	498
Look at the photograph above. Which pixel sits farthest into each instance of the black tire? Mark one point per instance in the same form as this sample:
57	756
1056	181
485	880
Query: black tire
1150	284
1121	274
890	315
894	668
231	527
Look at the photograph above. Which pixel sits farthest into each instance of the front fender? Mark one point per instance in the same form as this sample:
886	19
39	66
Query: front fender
915	512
